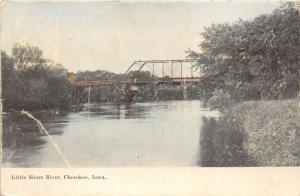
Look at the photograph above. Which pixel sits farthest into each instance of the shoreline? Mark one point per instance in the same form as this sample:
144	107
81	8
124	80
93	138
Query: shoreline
273	131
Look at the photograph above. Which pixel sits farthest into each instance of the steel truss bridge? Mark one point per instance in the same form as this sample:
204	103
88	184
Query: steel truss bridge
157	66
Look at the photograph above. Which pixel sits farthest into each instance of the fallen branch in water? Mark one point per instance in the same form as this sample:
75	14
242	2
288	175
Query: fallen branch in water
43	130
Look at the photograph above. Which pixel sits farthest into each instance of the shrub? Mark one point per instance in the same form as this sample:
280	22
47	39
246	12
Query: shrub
220	100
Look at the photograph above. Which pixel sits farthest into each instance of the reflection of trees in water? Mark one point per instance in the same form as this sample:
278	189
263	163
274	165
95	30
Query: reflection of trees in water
118	110
129	111
17	130
222	143
20	131
21	139
134	111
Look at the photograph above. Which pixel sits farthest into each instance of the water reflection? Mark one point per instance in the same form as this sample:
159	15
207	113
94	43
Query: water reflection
116	111
222	143
129	111
22	140
142	134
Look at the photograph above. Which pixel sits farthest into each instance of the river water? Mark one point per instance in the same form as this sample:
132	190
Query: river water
165	133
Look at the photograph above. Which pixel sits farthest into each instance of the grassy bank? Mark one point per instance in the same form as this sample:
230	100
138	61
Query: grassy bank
272	129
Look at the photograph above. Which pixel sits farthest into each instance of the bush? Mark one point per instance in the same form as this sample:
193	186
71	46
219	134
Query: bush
220	100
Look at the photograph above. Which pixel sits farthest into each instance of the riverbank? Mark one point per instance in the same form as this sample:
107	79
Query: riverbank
272	129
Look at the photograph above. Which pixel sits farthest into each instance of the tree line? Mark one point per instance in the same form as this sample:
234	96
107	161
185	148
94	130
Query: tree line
31	82
252	59
106	75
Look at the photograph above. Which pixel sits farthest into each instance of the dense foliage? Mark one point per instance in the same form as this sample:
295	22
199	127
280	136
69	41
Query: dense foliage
106	75
97	75
256	59
140	75
31	82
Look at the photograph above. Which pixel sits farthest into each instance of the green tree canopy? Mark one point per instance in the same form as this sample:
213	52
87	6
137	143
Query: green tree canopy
32	82
260	54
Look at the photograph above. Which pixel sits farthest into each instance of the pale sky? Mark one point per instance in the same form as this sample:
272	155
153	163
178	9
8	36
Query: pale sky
111	35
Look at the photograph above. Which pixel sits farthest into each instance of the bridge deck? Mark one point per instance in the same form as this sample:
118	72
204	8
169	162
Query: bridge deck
135	81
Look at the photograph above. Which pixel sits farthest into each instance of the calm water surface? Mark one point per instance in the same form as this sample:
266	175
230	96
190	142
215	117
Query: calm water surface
141	134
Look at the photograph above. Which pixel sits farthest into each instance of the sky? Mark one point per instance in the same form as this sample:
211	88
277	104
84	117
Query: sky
111	35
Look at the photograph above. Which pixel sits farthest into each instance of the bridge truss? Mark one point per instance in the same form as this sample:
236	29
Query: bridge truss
139	65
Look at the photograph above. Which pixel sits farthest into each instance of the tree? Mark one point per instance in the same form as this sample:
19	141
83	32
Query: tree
8	77
260	54
32	82
95	75
139	75
27	56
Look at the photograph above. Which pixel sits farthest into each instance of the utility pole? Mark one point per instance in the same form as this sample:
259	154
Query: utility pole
171	69
191	69
153	70
181	69
163	70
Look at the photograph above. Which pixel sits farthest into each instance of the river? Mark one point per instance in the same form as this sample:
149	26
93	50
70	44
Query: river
164	133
